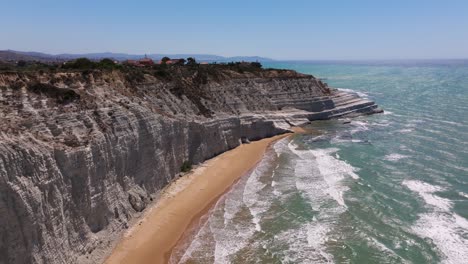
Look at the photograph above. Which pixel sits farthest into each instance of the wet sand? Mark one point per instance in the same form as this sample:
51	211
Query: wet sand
152	239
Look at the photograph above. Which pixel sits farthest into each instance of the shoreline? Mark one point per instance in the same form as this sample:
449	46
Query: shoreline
183	202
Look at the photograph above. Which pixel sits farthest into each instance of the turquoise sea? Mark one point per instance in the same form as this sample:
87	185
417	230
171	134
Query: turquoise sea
387	188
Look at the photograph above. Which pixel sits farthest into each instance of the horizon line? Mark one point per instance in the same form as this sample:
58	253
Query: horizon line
260	56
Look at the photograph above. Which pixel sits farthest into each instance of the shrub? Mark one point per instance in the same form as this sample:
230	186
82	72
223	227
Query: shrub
81	63
162	74
21	63
5	67
165	59
191	61
107	64
186	166
256	64
181	62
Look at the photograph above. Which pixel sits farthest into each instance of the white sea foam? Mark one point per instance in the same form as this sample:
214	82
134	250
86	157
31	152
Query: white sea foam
306	244
220	238
223	234
417	121
340	139
318	174
395	157
195	245
359	126
331	171
382	124
328	165
280	146
317	234
251	196
230	236
388	251
446	229
232	205
448	232
361	94
450	123
426	191
405	130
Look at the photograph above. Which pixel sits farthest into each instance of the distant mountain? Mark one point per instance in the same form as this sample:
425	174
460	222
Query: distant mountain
12	55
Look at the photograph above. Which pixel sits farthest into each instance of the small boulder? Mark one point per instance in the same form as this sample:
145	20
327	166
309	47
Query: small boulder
245	140
137	198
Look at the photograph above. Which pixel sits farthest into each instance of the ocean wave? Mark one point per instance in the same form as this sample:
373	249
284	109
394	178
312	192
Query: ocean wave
451	123
417	121
223	234
189	253
340	139
361	94
463	194
448	232
405	130
319	176
359	126
280	146
383	123
306	244
251	196
426	191
446	229
395	157
331	172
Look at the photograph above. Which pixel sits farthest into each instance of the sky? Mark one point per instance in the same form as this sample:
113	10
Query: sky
278	29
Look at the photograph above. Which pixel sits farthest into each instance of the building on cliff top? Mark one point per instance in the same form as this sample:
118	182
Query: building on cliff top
141	62
173	61
146	61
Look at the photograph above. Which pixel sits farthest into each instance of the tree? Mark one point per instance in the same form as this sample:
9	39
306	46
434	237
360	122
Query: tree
81	63
191	61
256	64
180	62
106	64
21	63
165	59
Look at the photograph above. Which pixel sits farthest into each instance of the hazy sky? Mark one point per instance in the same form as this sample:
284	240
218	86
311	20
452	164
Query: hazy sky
291	29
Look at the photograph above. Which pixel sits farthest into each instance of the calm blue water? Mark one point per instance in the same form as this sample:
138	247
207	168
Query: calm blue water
387	188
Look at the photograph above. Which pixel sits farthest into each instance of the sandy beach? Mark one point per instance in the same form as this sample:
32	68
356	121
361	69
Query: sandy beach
152	239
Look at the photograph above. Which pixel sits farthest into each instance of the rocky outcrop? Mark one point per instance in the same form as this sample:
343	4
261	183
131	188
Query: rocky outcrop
82	153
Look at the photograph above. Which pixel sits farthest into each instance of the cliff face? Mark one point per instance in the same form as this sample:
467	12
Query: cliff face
82	153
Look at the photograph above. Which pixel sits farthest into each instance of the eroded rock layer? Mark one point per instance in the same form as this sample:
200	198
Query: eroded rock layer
82	153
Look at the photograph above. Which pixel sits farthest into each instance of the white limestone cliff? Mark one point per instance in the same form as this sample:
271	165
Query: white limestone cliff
82	153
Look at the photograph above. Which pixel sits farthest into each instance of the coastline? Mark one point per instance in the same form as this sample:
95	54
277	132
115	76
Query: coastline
153	237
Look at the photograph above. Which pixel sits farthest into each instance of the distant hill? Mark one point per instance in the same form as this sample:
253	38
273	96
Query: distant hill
12	55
